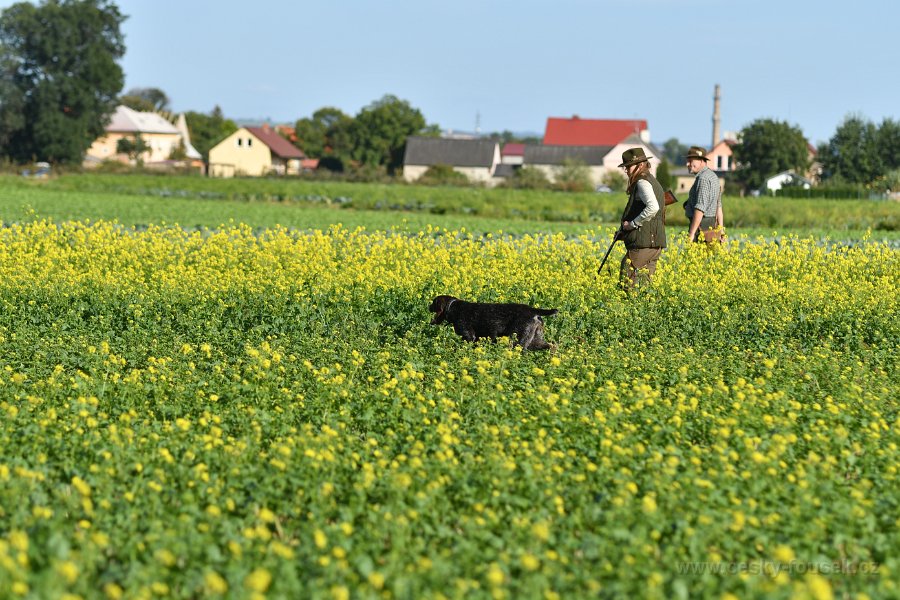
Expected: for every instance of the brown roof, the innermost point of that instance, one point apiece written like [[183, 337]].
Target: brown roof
[[513, 149], [277, 144]]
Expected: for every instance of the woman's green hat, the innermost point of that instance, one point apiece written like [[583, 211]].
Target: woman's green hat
[[633, 156]]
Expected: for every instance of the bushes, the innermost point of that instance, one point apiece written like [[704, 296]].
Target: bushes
[[442, 175]]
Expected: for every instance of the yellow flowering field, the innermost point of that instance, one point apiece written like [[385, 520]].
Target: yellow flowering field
[[265, 413]]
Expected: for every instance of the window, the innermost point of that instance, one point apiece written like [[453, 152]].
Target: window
[[718, 163], [239, 142], [249, 142]]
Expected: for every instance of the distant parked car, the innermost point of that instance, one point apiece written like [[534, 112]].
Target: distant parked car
[[41, 171], [603, 189]]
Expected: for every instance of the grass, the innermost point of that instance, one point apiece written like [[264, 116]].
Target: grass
[[195, 202]]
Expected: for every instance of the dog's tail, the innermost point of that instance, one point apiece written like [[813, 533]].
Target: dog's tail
[[545, 312]]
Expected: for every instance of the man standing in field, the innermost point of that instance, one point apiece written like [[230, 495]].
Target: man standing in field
[[702, 208], [643, 230]]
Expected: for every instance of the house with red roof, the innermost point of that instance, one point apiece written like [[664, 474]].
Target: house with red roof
[[512, 154], [254, 151], [593, 132]]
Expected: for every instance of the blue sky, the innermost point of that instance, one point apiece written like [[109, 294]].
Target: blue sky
[[510, 64]]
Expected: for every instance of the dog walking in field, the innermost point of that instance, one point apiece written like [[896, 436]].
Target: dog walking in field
[[476, 320]]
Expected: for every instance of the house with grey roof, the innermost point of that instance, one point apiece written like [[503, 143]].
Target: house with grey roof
[[161, 138], [551, 160], [599, 160], [477, 159]]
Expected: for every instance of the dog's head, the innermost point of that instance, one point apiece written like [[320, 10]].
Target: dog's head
[[439, 307]]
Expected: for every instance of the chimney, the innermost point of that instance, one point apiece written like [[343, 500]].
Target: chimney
[[716, 137]]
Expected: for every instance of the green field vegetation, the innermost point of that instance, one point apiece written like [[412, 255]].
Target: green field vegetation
[[201, 202], [262, 411]]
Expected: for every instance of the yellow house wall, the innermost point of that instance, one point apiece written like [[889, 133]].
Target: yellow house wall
[[161, 146], [227, 158]]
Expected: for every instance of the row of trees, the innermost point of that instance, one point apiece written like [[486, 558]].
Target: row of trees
[[375, 137], [859, 153], [863, 153]]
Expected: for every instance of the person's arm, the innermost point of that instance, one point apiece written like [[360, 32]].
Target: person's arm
[[720, 216]]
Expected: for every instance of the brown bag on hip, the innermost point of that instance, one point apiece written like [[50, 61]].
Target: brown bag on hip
[[717, 233]]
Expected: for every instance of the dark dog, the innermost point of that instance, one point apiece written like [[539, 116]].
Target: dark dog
[[475, 320]]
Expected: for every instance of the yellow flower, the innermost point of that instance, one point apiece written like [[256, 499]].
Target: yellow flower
[[214, 583], [541, 530], [376, 580], [68, 571], [530, 562], [495, 575], [166, 557], [266, 515], [258, 581], [81, 485], [819, 587], [340, 592], [783, 554], [320, 539]]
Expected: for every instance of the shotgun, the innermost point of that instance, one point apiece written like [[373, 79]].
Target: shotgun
[[615, 239]]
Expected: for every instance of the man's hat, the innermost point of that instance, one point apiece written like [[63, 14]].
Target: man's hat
[[633, 156], [696, 152]]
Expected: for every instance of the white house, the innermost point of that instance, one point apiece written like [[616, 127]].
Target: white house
[[786, 178], [475, 158]]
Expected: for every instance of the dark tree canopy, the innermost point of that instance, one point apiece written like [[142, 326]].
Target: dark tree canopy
[[861, 152], [380, 130], [769, 147], [674, 151], [148, 99], [59, 68], [327, 134], [852, 152], [208, 130]]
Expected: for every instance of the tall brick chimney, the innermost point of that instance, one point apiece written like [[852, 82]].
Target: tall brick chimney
[[716, 137]]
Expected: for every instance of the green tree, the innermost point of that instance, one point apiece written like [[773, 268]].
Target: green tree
[[12, 100], [326, 135], [146, 100], [380, 130], [208, 130], [664, 175], [508, 137], [616, 180], [574, 176], [443, 175], [889, 144], [674, 151], [852, 153], [134, 147], [528, 178], [768, 147], [61, 73]]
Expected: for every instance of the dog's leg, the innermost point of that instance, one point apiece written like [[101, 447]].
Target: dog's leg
[[466, 334], [528, 333]]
